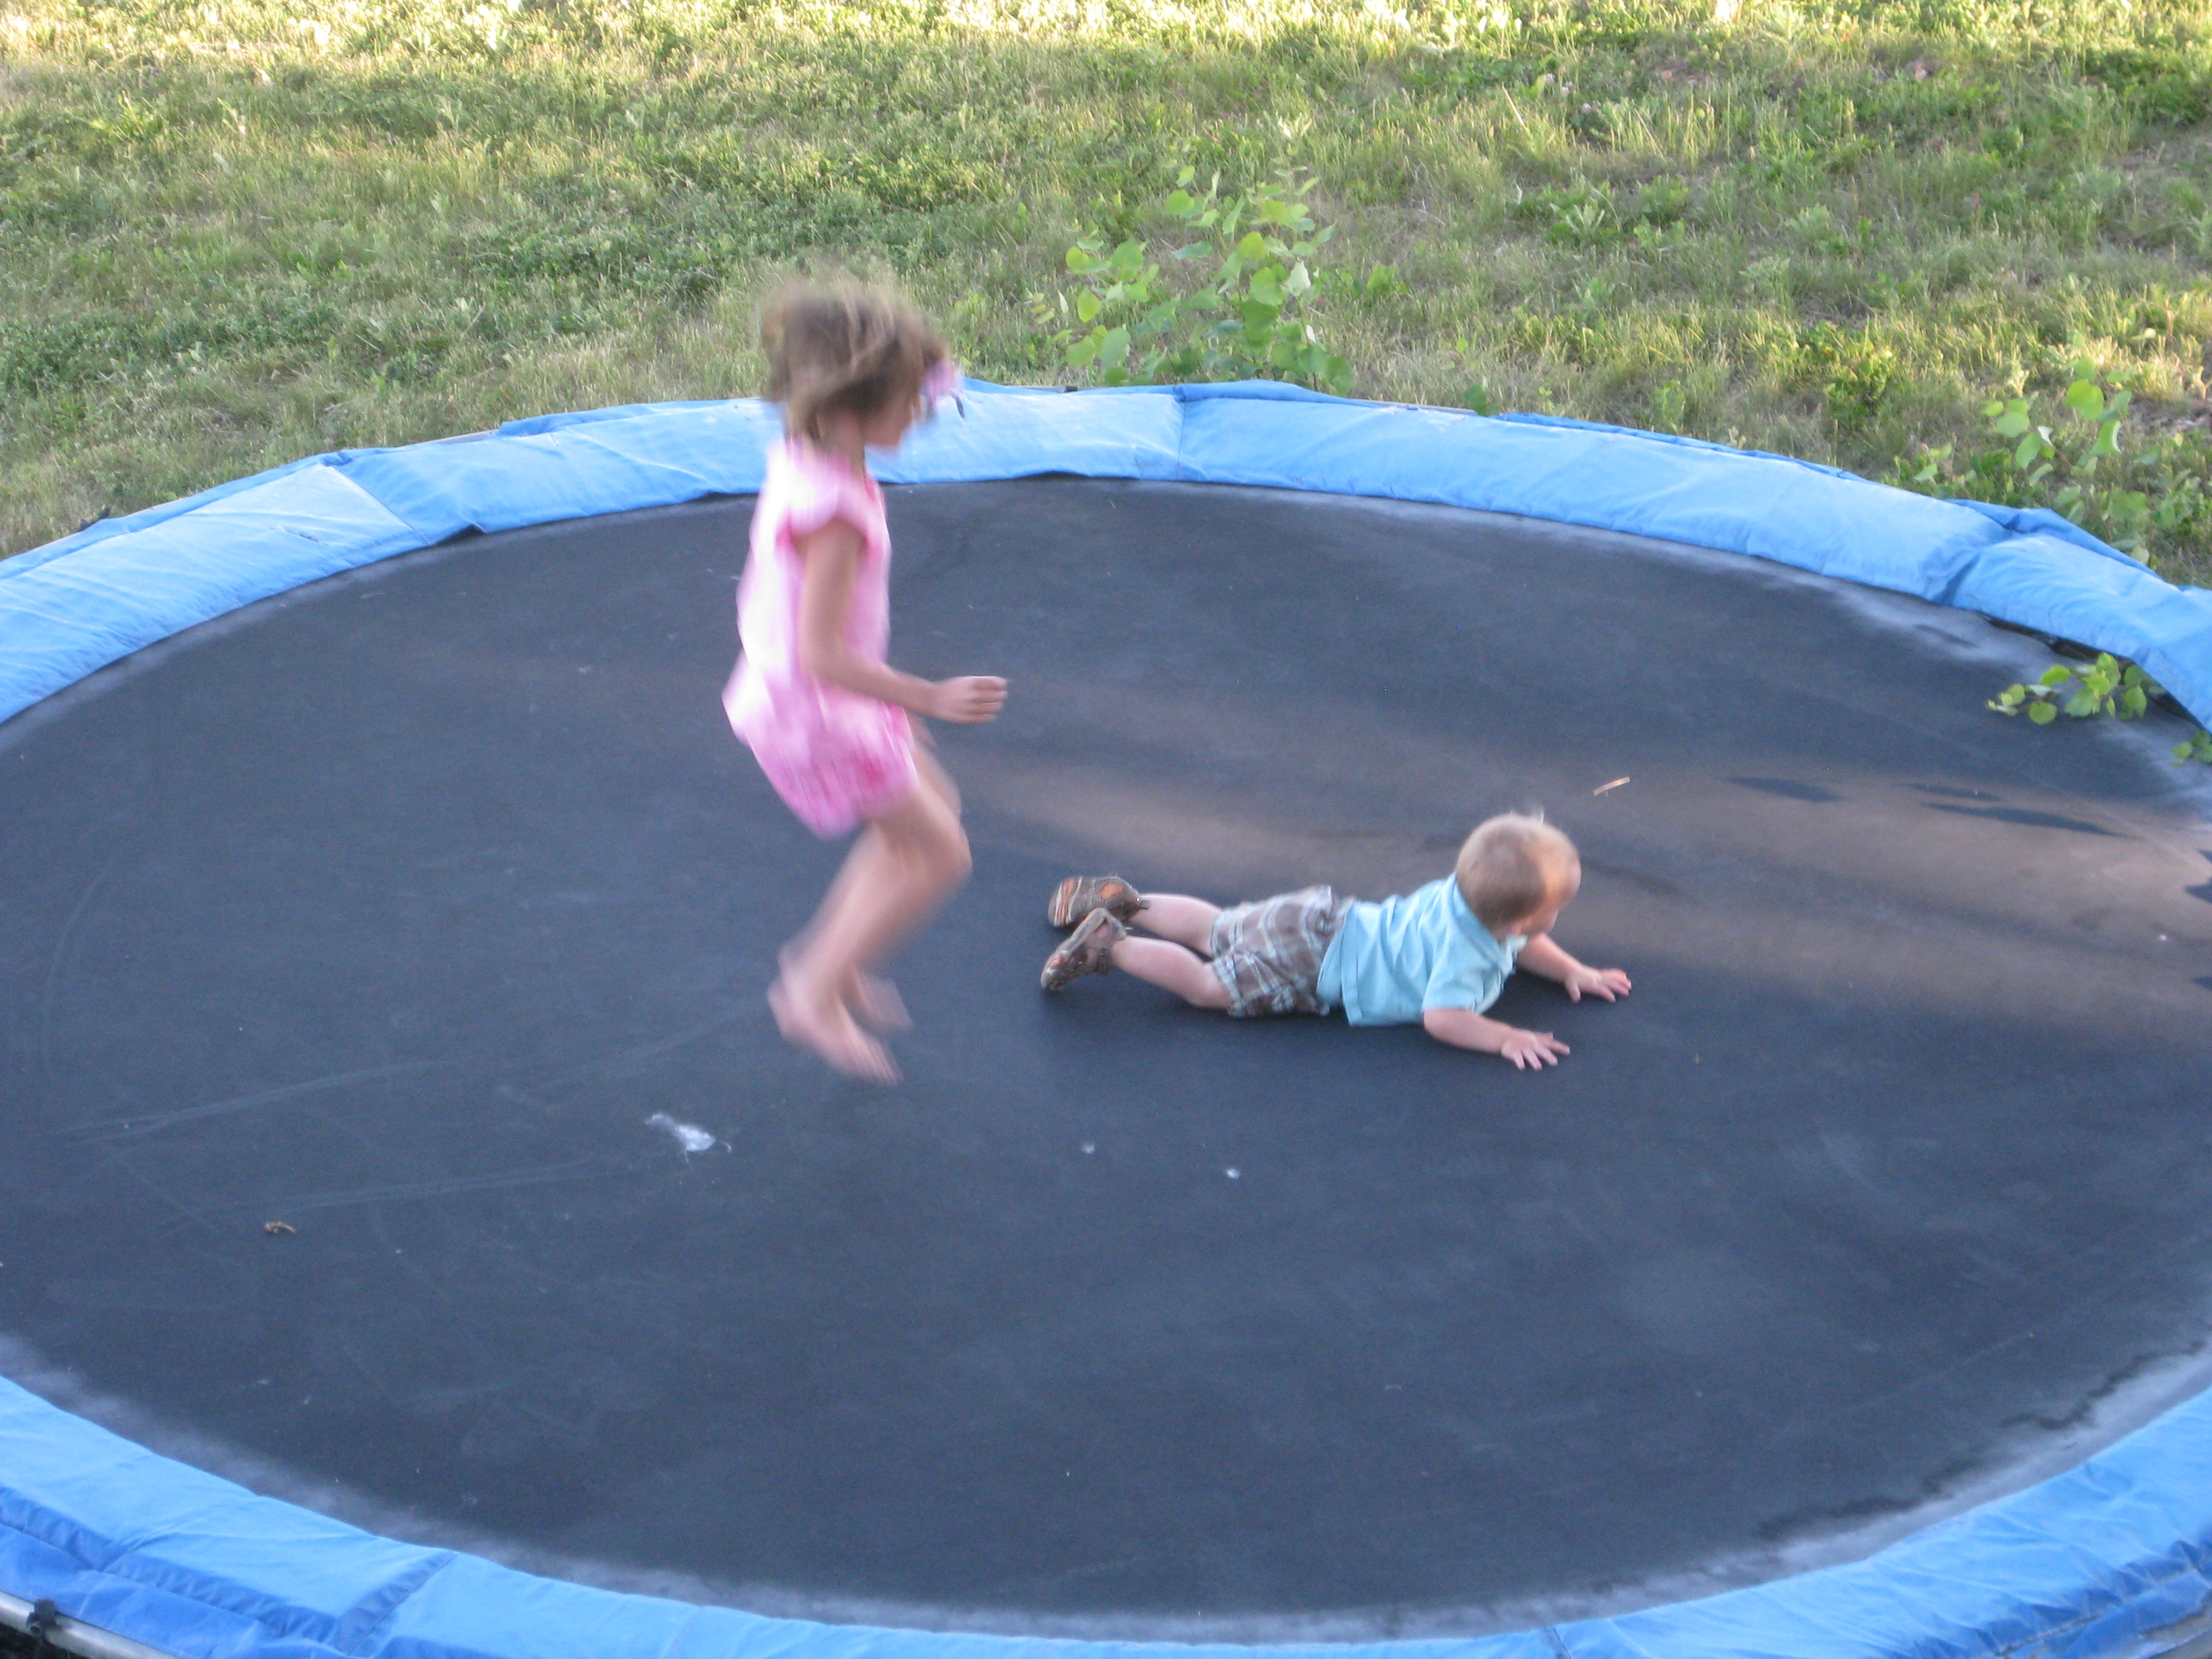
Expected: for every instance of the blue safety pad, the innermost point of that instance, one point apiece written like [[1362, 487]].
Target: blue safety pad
[[88, 600], [2002, 561], [503, 481], [102, 530], [570, 466], [2092, 1563], [61, 618], [1003, 436]]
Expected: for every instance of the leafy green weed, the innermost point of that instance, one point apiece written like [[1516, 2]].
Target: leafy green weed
[[1251, 317]]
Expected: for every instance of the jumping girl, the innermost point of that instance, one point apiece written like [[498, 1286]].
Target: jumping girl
[[832, 725]]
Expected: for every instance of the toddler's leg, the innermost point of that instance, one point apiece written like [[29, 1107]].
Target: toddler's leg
[[1172, 967], [1100, 941], [1187, 921]]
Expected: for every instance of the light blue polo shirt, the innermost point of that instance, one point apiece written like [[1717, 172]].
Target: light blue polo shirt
[[1420, 950]]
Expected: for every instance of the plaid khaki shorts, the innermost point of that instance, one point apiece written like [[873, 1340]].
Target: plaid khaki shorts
[[1267, 954]]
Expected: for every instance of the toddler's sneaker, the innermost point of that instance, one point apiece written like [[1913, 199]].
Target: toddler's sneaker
[[1079, 896], [1088, 950]]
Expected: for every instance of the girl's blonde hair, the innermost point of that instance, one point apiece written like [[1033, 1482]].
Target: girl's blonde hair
[[1512, 866], [844, 351]]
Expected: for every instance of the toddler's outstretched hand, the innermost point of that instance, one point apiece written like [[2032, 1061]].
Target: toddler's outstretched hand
[[1607, 982], [1532, 1050], [968, 701]]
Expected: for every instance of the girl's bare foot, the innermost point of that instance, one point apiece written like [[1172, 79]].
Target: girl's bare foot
[[878, 1002], [875, 999], [825, 1026]]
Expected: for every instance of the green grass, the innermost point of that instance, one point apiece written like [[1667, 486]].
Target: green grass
[[235, 232]]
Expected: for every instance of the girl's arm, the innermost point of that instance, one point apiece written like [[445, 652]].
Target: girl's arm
[[1543, 957], [1463, 1028], [831, 556]]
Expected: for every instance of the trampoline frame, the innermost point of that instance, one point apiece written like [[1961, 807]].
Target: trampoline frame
[[2114, 1557]]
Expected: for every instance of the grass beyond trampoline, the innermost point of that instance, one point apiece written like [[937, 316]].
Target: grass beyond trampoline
[[236, 232]]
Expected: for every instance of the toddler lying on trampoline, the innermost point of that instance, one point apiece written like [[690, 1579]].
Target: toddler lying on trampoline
[[1438, 955]]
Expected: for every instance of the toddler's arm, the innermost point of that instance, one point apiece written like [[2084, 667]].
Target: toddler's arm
[[1463, 1028], [1543, 957], [832, 555]]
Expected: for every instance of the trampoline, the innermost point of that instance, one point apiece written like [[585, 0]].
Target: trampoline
[[420, 1244]]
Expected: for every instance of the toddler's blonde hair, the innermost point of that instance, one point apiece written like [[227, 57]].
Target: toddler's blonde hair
[[844, 349], [1512, 866]]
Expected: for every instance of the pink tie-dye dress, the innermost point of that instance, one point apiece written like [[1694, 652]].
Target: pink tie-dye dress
[[837, 757]]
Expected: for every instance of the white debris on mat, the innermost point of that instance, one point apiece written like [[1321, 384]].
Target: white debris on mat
[[690, 1136]]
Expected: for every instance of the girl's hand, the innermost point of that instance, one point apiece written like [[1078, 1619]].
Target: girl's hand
[[1532, 1050], [968, 701], [1607, 982]]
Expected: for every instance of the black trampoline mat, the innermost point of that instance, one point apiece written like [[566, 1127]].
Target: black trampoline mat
[[396, 909]]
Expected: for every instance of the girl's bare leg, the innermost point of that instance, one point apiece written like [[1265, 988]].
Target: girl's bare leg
[[875, 1000], [873, 997], [1187, 921], [1172, 967], [917, 856], [934, 778], [929, 853], [817, 1013]]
